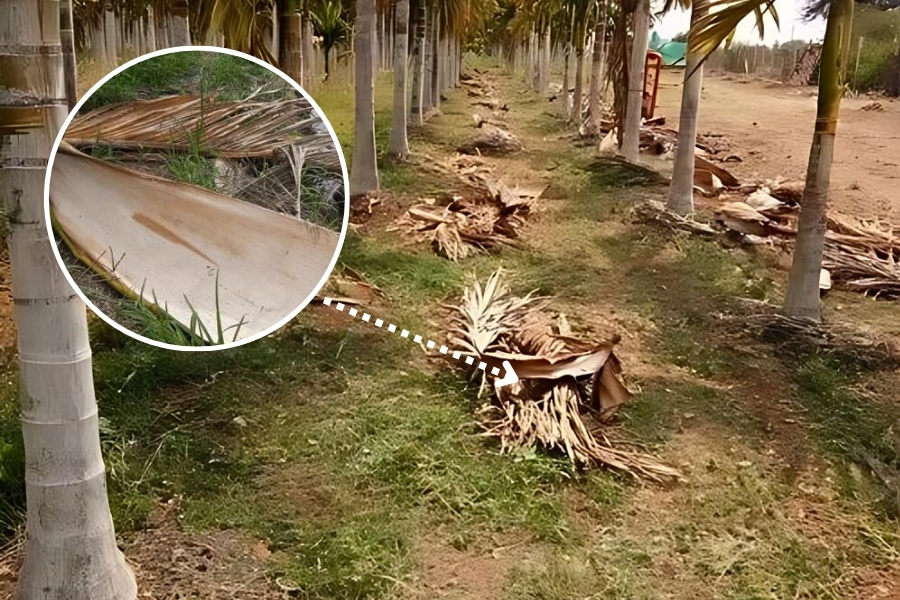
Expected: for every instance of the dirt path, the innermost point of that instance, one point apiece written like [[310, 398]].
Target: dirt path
[[771, 128]]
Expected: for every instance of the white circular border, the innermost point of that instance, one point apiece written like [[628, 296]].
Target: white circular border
[[290, 315]]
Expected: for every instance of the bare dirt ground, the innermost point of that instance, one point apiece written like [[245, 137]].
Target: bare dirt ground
[[770, 126]]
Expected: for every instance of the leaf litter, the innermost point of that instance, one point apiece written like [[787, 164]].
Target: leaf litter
[[568, 390]]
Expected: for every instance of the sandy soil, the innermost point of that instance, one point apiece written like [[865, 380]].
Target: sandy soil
[[770, 126]]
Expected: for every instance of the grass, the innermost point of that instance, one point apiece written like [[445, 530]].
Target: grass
[[197, 72]]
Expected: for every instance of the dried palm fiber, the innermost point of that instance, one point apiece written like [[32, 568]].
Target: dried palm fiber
[[860, 255], [192, 252], [485, 215], [567, 387], [241, 129]]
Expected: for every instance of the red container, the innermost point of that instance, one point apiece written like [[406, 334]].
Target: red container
[[652, 68]]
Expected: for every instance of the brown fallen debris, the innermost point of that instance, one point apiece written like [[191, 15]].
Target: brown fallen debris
[[872, 105], [859, 255], [491, 140], [456, 226], [246, 128], [567, 389]]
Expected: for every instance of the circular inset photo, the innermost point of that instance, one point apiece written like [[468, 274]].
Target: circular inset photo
[[197, 198]]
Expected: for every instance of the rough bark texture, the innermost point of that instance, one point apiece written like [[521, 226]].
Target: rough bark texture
[[632, 130], [418, 62], [598, 73], [67, 39], [802, 295], [364, 175], [681, 190], [398, 145], [564, 92], [70, 547], [290, 54]]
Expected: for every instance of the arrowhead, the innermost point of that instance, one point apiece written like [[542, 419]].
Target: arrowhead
[[509, 377]]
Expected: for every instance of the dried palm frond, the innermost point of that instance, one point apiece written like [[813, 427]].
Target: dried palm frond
[[567, 387], [247, 128], [486, 218]]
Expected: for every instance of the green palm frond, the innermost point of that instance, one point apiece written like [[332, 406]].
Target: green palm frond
[[328, 20], [721, 23]]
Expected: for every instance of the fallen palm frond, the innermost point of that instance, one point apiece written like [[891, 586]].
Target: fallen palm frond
[[246, 128], [208, 260], [567, 387], [486, 215], [859, 255]]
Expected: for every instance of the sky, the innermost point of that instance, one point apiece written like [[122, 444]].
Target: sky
[[792, 25]]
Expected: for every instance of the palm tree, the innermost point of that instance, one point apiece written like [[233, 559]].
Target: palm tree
[[67, 39], [330, 25], [364, 174], [681, 190], [802, 294], [598, 64], [70, 548], [290, 50], [398, 144], [632, 128]]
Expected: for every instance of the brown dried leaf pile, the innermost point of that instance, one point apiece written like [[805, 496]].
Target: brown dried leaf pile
[[484, 216], [246, 128], [567, 387]]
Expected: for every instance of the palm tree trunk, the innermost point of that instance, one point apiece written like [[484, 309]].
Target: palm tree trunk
[[544, 67], [418, 61], [802, 295], [67, 39], [180, 31], [681, 190], [364, 175], [290, 54], [579, 82], [436, 62], [632, 130], [564, 92], [598, 72], [427, 96], [309, 58], [398, 145], [149, 32], [70, 547], [109, 34]]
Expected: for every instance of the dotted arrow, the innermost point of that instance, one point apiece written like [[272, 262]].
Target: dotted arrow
[[508, 377]]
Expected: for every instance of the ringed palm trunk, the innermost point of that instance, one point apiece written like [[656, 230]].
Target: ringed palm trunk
[[290, 52], [579, 80], [70, 547], [681, 190], [398, 145], [364, 175], [632, 129], [67, 39], [802, 295], [418, 61], [598, 67]]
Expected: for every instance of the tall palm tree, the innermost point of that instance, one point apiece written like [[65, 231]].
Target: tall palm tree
[[364, 173], [598, 66], [681, 189], [70, 548], [802, 294], [632, 128], [398, 145]]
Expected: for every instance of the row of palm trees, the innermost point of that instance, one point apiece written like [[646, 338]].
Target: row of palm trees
[[619, 30], [70, 550]]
